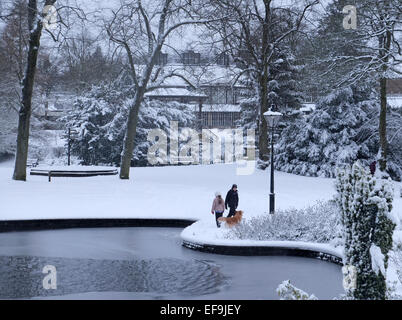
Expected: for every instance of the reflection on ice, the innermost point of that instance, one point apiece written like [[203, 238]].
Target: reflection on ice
[[21, 277]]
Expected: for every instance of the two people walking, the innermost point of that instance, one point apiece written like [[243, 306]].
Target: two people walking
[[219, 206]]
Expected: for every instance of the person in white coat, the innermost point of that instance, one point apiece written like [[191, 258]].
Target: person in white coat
[[218, 207]]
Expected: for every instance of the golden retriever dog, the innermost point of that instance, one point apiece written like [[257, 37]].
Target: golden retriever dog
[[232, 221]]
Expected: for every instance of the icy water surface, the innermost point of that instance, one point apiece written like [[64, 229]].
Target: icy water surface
[[147, 263]]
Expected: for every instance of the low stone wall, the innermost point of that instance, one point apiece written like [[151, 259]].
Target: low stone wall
[[46, 224], [262, 251]]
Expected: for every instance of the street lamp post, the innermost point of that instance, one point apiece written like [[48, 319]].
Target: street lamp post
[[70, 135], [272, 117], [69, 147]]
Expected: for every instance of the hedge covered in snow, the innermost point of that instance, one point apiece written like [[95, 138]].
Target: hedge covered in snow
[[316, 223]]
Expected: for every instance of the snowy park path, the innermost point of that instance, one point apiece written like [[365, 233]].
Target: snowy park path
[[184, 192]]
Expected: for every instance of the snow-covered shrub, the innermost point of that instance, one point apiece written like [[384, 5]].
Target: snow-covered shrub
[[287, 291], [317, 223], [395, 259], [365, 202]]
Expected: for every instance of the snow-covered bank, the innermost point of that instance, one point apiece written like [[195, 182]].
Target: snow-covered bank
[[204, 232], [182, 192]]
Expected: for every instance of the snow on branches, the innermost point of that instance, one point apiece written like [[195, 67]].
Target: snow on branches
[[287, 291], [366, 203]]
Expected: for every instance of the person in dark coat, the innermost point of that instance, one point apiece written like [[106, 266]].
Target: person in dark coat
[[373, 167], [232, 200]]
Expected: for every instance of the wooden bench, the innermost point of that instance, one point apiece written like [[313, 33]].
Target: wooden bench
[[72, 173], [32, 163]]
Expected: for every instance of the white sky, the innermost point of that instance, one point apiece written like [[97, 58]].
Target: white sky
[[96, 9]]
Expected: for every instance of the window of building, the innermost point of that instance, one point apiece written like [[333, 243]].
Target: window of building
[[218, 95], [191, 57], [162, 58], [223, 59]]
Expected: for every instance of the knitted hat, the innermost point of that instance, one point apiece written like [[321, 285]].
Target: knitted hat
[[217, 193]]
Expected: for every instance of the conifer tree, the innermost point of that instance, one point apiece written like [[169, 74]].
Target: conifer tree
[[366, 203]]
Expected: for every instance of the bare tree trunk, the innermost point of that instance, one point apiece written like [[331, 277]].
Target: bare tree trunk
[[263, 128], [385, 44], [131, 131], [35, 27], [263, 83], [382, 129], [129, 139]]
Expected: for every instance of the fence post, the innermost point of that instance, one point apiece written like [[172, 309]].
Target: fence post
[[50, 175]]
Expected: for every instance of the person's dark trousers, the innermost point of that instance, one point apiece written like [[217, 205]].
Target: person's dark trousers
[[232, 212], [217, 216]]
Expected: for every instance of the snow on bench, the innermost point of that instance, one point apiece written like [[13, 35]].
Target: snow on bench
[[32, 163], [72, 173]]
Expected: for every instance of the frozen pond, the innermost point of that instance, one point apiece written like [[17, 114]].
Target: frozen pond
[[147, 263]]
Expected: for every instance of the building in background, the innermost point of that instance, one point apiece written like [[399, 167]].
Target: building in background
[[208, 84], [211, 87]]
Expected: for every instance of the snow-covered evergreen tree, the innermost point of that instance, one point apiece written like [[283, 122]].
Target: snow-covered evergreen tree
[[366, 203], [101, 117], [341, 130], [283, 92], [332, 135], [156, 114], [394, 161], [249, 113], [92, 116], [324, 48]]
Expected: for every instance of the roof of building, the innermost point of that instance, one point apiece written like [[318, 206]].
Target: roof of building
[[199, 75], [221, 108], [308, 106], [175, 93]]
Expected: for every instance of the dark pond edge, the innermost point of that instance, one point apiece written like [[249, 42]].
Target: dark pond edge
[[52, 224], [262, 251]]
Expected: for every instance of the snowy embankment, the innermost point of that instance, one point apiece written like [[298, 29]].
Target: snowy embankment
[[181, 192], [204, 232]]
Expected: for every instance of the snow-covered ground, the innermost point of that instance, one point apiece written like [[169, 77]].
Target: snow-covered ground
[[156, 192], [170, 192], [152, 192]]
